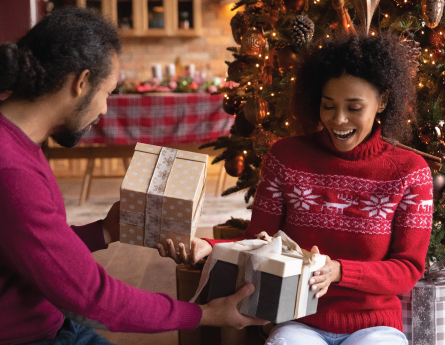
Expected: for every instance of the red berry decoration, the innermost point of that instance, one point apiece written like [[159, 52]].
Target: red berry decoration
[[235, 166]]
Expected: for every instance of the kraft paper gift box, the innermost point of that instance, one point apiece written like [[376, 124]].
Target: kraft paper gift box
[[280, 276], [226, 232], [162, 196], [423, 313]]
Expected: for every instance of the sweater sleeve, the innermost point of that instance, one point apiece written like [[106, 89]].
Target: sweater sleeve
[[269, 207], [92, 235], [38, 245], [411, 230]]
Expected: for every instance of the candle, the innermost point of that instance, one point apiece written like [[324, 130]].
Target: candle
[[191, 70], [170, 70], [157, 71]]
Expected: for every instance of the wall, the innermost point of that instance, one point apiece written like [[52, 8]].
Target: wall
[[140, 53]]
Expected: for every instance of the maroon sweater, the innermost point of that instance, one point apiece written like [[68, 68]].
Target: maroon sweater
[[369, 208], [46, 266]]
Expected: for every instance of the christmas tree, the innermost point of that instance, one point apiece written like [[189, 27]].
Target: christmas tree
[[270, 35]]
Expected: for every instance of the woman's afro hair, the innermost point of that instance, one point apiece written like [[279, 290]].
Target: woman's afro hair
[[382, 60]]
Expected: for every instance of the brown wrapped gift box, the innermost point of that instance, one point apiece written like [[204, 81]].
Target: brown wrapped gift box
[[162, 196]]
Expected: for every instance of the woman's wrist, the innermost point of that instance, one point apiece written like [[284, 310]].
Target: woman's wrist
[[338, 271]]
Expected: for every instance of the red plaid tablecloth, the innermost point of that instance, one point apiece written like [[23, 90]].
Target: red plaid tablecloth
[[160, 120]]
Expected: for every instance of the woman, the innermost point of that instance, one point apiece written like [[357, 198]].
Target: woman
[[364, 203]]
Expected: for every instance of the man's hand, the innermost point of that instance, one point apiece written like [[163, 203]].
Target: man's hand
[[110, 224], [223, 312], [330, 272], [199, 249]]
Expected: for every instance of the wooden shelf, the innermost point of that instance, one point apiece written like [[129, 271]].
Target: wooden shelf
[[140, 18]]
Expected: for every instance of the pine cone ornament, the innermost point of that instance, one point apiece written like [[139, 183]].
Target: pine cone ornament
[[302, 30]]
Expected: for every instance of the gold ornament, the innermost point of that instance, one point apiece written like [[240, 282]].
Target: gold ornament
[[263, 139], [365, 10], [255, 110], [235, 166], [253, 42], [432, 12]]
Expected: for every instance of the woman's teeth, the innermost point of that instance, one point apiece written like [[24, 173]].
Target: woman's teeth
[[344, 135]]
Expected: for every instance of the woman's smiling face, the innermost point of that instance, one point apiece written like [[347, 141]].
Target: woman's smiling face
[[348, 109]]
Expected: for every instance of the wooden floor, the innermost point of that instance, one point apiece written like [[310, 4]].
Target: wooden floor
[[138, 266]]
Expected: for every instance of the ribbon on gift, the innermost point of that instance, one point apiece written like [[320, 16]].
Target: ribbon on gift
[[154, 222], [249, 261], [436, 273]]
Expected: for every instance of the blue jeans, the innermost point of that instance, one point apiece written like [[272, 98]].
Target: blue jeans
[[74, 334], [295, 333]]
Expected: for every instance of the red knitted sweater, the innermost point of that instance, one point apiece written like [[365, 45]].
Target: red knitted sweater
[[369, 208]]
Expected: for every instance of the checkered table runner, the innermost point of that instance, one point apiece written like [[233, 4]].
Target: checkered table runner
[[161, 120]]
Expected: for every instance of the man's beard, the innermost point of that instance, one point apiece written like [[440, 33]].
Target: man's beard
[[68, 134]]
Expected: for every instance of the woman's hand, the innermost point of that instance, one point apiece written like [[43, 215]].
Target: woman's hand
[[330, 272], [199, 249]]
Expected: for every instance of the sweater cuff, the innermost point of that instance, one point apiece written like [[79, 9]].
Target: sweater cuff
[[92, 235], [351, 274], [213, 242], [189, 316]]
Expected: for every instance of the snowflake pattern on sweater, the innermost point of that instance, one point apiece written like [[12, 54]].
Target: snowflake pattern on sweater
[[370, 209], [344, 203]]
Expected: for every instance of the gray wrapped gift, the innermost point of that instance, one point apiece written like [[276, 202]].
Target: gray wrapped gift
[[278, 269], [423, 312]]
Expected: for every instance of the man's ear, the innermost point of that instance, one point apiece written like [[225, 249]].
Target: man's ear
[[383, 101], [80, 83]]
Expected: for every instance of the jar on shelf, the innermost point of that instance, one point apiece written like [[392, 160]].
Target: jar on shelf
[[184, 22]]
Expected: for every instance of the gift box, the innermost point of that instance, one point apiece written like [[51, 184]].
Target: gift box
[[423, 313], [162, 196], [226, 232], [187, 280], [278, 269]]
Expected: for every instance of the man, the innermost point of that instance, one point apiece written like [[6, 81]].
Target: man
[[55, 83]]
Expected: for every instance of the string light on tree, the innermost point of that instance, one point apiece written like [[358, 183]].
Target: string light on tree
[[405, 4]]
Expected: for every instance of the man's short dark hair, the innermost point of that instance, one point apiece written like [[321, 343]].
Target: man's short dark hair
[[67, 41]]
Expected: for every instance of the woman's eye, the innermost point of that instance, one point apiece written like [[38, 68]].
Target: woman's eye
[[355, 109], [328, 108]]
